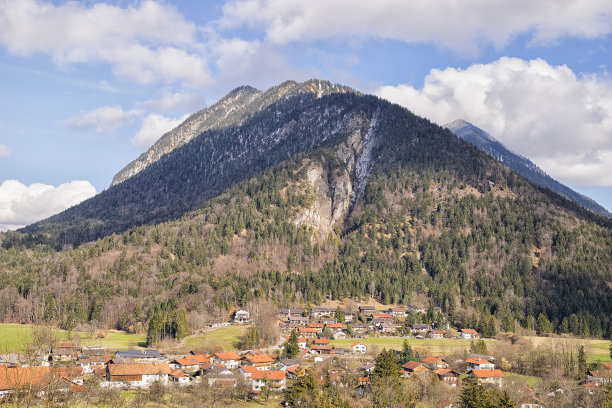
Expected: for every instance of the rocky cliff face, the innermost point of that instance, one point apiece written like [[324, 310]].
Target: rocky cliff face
[[232, 110]]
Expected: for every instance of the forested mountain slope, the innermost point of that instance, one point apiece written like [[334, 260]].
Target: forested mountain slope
[[317, 198], [520, 164]]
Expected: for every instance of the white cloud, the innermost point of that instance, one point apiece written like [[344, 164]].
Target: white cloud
[[176, 101], [145, 43], [560, 120], [4, 151], [462, 25], [153, 127], [106, 119], [21, 205]]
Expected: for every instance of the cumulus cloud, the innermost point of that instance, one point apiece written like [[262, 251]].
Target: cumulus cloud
[[458, 24], [560, 120], [153, 127], [21, 205], [177, 101], [146, 43], [106, 119], [4, 151]]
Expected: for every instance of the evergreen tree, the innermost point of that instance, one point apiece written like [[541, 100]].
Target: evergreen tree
[[292, 347], [387, 364], [582, 363], [407, 353]]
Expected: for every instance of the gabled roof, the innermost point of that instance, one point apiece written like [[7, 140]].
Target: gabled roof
[[259, 358], [469, 331], [381, 315], [139, 354], [178, 374], [321, 341], [249, 369], [25, 377], [356, 344], [334, 325], [411, 365], [431, 359], [476, 360], [607, 365], [307, 330], [488, 373], [321, 348], [139, 369], [273, 375], [228, 355]]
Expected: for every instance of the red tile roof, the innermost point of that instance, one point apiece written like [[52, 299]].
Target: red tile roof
[[321, 341], [476, 360], [470, 331], [411, 365], [229, 355], [488, 373], [139, 369], [431, 359], [381, 315], [270, 375], [259, 358]]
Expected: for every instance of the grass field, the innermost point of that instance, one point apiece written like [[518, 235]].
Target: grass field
[[596, 350], [13, 337], [525, 379], [218, 339], [442, 347]]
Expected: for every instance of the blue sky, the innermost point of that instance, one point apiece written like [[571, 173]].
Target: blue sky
[[88, 86]]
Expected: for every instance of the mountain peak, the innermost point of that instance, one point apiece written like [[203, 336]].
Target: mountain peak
[[231, 110]]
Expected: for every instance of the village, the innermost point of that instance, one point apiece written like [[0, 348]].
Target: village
[[69, 368]]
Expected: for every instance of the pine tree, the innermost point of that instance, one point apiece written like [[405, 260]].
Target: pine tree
[[292, 347], [387, 364], [582, 364], [407, 353]]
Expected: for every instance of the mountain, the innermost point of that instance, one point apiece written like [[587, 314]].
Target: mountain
[[317, 197], [232, 110], [520, 164]]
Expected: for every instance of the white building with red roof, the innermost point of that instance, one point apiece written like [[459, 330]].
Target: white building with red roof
[[359, 348]]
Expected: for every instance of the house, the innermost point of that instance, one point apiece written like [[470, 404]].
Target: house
[[260, 361], [414, 368], [321, 342], [468, 334], [296, 371], [335, 327], [37, 379], [435, 362], [599, 377], [226, 380], [139, 375], [368, 368], [309, 332], [339, 335], [303, 342], [359, 348], [490, 376], [276, 380], [317, 312], [179, 377], [230, 359], [396, 311], [211, 369], [360, 328], [64, 354], [447, 376], [329, 320], [317, 326], [437, 309], [285, 363], [141, 356], [91, 363], [242, 317], [387, 327], [366, 310], [187, 364], [382, 316], [348, 316], [436, 334], [477, 363], [322, 349], [419, 329], [416, 309], [288, 313], [299, 320]]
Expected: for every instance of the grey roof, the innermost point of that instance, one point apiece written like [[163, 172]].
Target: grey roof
[[139, 354]]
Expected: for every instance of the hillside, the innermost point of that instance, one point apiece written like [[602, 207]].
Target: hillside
[[520, 164], [313, 198]]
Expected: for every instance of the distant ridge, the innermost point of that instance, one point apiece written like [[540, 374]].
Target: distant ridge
[[520, 164]]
